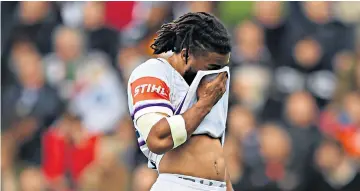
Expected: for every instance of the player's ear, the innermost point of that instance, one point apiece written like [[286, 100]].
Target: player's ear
[[183, 55]]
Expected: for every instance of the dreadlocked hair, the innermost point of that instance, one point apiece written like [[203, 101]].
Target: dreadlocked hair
[[196, 32]]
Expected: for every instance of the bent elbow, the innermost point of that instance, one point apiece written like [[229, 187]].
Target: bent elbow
[[158, 146], [157, 150]]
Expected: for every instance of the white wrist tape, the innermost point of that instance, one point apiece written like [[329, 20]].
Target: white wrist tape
[[178, 130]]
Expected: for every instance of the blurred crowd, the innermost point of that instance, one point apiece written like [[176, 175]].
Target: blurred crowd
[[294, 117]]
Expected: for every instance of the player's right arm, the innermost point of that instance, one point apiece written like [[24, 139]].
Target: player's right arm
[[161, 137], [163, 131]]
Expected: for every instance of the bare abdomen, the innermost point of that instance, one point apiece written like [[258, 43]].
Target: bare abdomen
[[201, 156]]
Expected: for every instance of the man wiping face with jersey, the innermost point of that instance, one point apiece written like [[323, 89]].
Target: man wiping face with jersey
[[179, 114]]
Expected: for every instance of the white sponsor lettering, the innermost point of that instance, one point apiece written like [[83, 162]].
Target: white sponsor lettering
[[157, 89], [143, 88], [149, 88]]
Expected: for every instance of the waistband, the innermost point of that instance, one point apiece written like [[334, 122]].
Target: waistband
[[207, 182]]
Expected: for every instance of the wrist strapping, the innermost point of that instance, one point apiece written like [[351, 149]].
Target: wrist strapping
[[178, 130]]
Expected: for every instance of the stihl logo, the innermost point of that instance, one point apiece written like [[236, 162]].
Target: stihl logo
[[149, 88]]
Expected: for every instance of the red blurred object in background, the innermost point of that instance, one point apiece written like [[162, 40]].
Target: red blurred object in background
[[347, 134], [54, 147], [328, 123], [59, 156], [350, 139], [82, 155], [119, 14]]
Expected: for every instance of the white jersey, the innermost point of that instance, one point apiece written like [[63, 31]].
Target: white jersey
[[155, 86]]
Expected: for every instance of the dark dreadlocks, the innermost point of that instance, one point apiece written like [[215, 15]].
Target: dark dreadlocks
[[197, 32]]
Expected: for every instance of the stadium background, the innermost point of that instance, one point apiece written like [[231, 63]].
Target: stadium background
[[294, 120]]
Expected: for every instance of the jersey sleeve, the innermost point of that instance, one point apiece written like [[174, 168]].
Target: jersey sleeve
[[149, 89]]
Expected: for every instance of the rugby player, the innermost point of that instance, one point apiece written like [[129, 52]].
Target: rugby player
[[184, 159]]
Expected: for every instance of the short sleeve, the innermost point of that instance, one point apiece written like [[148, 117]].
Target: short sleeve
[[149, 90]]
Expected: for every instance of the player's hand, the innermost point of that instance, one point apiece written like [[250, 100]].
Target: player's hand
[[210, 92]]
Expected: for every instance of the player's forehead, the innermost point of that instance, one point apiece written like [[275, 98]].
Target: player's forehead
[[216, 58]]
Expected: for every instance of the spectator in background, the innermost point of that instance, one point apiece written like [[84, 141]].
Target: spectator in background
[[357, 64], [86, 79], [251, 55], [248, 89], [98, 95], [71, 12], [351, 108], [106, 172], [305, 72], [143, 178], [61, 65], [308, 53], [31, 180], [7, 15], [89, 159], [301, 111], [271, 172], [180, 8], [348, 12], [128, 59], [305, 43], [270, 15], [56, 143], [203, 6], [319, 16], [140, 31], [32, 19], [99, 36], [233, 156], [357, 75], [316, 20], [250, 48], [37, 20], [300, 119], [241, 122], [128, 145], [343, 118], [242, 144], [345, 68], [242, 128], [348, 131], [335, 171], [28, 106]]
